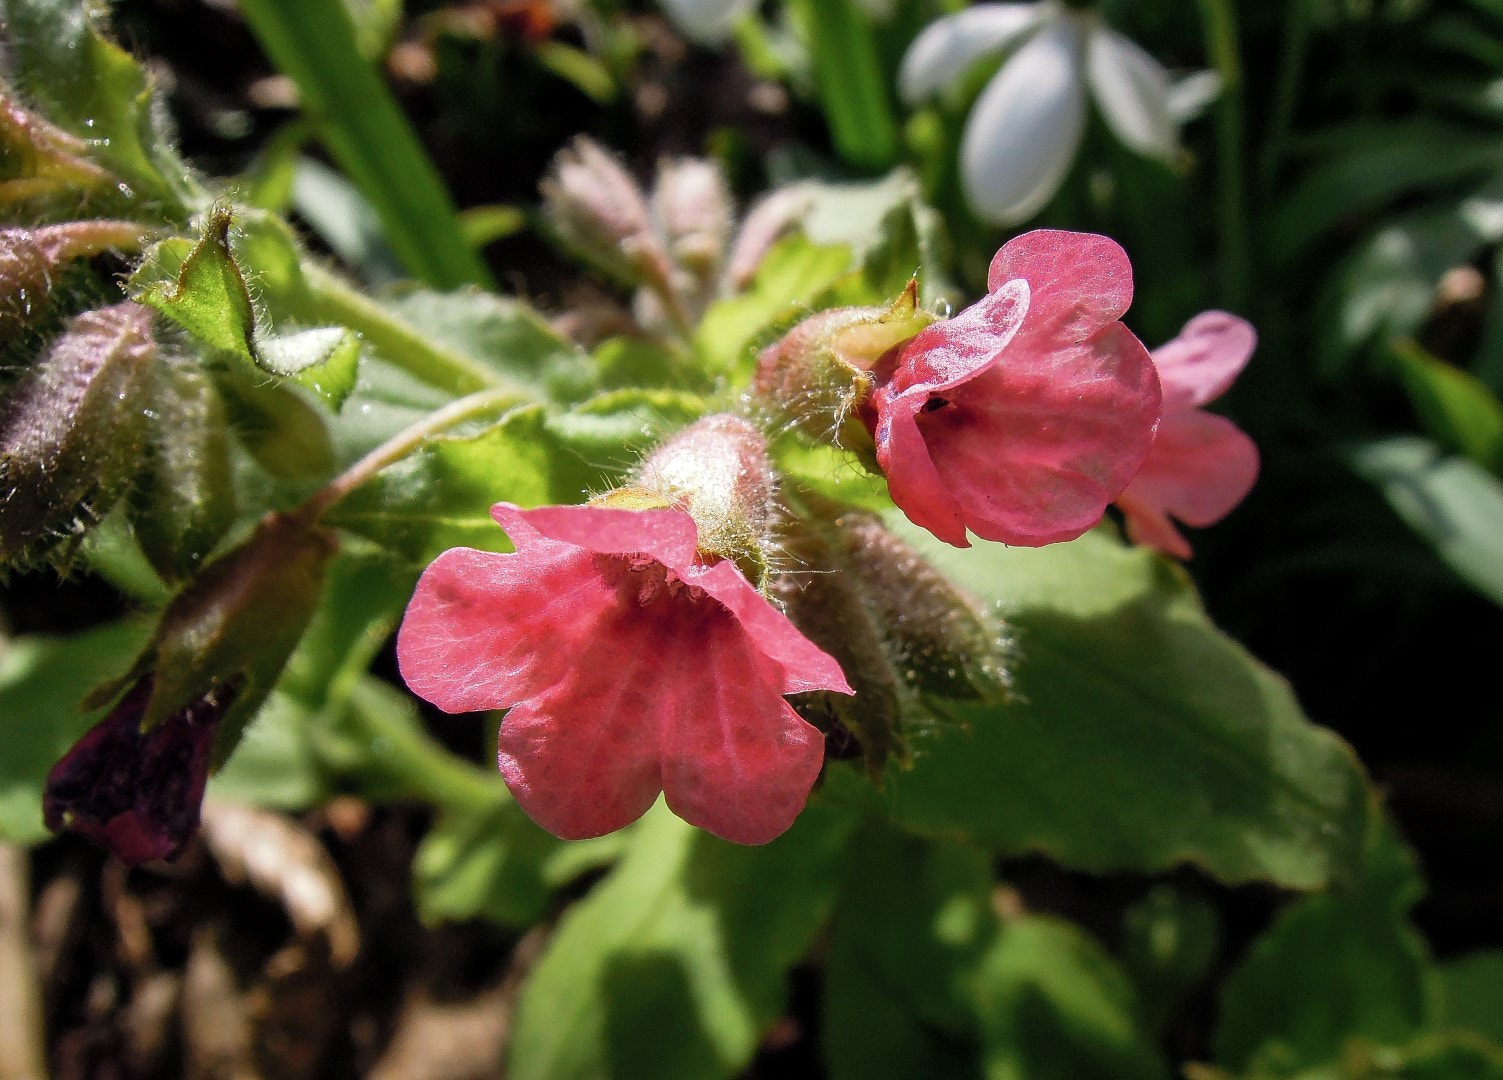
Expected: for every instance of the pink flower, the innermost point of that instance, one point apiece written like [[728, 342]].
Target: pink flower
[[1201, 465], [631, 667], [1021, 418]]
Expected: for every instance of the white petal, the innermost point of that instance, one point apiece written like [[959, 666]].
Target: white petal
[[1025, 127], [1193, 94], [708, 22], [945, 50], [1132, 89]]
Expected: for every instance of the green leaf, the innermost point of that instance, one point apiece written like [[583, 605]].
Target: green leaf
[[674, 965], [502, 334], [498, 865], [1471, 987], [1137, 736], [199, 287], [1458, 411], [1450, 501], [440, 497], [325, 360], [42, 680], [909, 927], [1334, 968], [275, 763], [1054, 1006], [794, 273], [93, 88], [853, 89]]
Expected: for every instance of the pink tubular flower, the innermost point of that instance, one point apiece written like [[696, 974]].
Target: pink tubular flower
[[1201, 465], [1021, 418], [631, 667]]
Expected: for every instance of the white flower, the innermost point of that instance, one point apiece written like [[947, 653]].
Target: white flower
[[1026, 125], [706, 22]]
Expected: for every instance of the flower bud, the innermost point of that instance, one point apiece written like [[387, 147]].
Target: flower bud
[[38, 159], [716, 470], [827, 365], [693, 207], [893, 621], [135, 782], [765, 223], [73, 428], [596, 208], [828, 604], [30, 259]]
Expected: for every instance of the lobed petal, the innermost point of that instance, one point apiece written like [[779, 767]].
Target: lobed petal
[[1025, 127], [913, 481], [470, 637], [949, 352], [1132, 89], [1203, 361], [1201, 466], [798, 663], [1035, 448], [736, 760], [669, 536], [1077, 283], [945, 50]]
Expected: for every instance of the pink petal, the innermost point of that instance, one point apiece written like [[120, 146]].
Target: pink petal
[[1206, 357], [946, 353], [914, 482], [1035, 448], [469, 639], [583, 762], [669, 536], [1201, 466], [798, 663], [737, 760], [1078, 282]]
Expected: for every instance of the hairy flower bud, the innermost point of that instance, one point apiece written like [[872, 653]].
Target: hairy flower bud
[[764, 224], [716, 470], [135, 782], [694, 211], [73, 428], [30, 260], [893, 621], [822, 369], [596, 208], [39, 159]]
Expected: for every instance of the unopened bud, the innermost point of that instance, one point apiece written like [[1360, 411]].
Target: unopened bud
[[828, 604], [765, 223], [596, 208], [39, 159], [944, 642], [30, 260], [135, 782], [823, 368], [694, 211], [73, 428], [716, 470]]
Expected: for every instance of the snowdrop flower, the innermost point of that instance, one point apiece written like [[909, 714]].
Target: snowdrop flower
[[1026, 125], [706, 22]]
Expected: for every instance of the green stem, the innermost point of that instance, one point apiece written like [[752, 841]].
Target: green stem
[[403, 443], [328, 298], [1285, 95], [313, 42], [1220, 24], [421, 764]]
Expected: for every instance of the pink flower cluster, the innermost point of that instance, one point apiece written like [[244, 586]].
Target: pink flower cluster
[[635, 662]]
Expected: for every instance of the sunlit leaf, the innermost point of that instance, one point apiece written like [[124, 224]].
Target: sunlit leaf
[[1137, 735], [674, 965]]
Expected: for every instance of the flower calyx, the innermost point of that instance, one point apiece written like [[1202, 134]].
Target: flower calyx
[[820, 372]]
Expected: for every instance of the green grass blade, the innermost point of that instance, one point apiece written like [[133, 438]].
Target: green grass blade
[[313, 42]]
